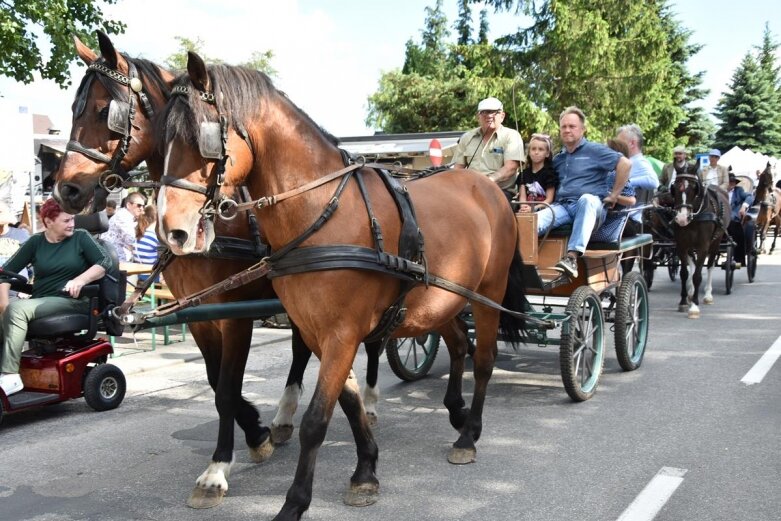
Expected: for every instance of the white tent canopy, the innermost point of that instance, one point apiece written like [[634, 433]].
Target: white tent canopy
[[747, 162]]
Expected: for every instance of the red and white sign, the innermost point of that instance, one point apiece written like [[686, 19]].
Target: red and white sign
[[435, 152]]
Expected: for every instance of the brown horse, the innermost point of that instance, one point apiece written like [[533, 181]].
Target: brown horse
[[96, 149], [768, 198], [701, 217], [270, 145]]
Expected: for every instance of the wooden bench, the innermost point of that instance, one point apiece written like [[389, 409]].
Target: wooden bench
[[597, 268]]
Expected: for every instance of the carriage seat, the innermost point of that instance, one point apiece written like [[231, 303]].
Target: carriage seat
[[104, 295]]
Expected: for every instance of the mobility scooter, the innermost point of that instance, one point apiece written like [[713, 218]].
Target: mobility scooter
[[64, 360]]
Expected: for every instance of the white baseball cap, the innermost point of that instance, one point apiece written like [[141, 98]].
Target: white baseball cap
[[489, 104]]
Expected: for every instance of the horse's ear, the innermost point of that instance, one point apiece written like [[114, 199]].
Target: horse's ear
[[86, 54], [196, 69], [113, 59]]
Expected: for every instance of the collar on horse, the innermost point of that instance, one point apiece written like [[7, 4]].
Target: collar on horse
[[121, 117]]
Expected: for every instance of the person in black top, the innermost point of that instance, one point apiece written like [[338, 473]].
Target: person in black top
[[538, 181]]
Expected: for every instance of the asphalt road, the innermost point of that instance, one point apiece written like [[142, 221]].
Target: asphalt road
[[684, 428]]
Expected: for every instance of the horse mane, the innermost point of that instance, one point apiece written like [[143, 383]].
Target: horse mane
[[147, 71], [240, 94]]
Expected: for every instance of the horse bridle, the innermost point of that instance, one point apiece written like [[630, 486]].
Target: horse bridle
[[699, 192], [212, 145], [120, 120]]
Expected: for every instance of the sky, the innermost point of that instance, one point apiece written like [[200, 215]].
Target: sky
[[330, 54]]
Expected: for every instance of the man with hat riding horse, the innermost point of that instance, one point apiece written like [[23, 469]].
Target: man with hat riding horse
[[491, 149], [741, 226]]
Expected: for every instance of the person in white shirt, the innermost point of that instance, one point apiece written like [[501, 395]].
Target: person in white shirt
[[714, 173], [121, 232]]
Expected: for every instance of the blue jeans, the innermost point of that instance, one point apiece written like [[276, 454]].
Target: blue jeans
[[585, 214]]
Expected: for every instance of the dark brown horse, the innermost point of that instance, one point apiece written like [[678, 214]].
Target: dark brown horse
[[701, 217], [96, 149], [768, 198], [274, 148]]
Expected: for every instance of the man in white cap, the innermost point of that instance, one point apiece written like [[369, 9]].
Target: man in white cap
[[714, 173], [491, 149], [668, 172]]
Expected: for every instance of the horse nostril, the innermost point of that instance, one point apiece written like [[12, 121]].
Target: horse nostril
[[69, 191], [178, 237]]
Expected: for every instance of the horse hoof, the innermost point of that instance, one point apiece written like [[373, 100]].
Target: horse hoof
[[362, 495], [205, 497], [707, 300], [281, 434], [694, 314], [462, 456], [683, 307], [262, 453], [371, 419]]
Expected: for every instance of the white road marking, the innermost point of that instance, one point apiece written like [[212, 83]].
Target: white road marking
[[654, 496], [763, 365]]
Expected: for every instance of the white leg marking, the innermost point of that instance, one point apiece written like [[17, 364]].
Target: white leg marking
[[216, 475], [690, 278], [654, 496], [763, 365], [287, 406], [371, 395], [708, 299]]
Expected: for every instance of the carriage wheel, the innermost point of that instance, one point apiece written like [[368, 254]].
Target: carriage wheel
[[729, 273], [582, 350], [411, 358], [648, 271], [631, 321], [672, 267]]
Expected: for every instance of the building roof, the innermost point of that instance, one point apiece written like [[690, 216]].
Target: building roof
[[41, 124], [398, 145]]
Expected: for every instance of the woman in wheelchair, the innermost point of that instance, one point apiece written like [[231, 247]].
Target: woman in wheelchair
[[64, 260]]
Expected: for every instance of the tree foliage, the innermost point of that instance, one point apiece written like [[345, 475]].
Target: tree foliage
[[610, 58], [22, 22], [259, 61], [621, 62], [441, 83], [749, 110]]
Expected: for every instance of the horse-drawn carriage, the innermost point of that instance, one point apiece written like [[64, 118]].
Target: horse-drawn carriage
[[232, 142], [658, 220]]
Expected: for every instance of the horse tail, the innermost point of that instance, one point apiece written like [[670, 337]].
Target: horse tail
[[512, 328]]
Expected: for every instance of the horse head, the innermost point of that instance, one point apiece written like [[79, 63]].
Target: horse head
[[688, 194], [207, 151], [112, 129]]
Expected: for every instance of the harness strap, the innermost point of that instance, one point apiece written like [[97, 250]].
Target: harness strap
[[75, 146], [338, 256]]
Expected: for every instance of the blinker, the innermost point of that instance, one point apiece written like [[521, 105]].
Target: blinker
[[210, 140], [118, 117]]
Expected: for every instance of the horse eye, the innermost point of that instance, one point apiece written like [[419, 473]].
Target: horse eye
[[103, 114]]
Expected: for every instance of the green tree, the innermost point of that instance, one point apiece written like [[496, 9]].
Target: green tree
[[745, 110], [772, 83], [431, 57], [441, 84], [609, 58], [695, 128], [464, 23], [260, 61], [22, 22]]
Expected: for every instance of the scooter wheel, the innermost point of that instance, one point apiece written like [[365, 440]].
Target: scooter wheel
[[104, 387]]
